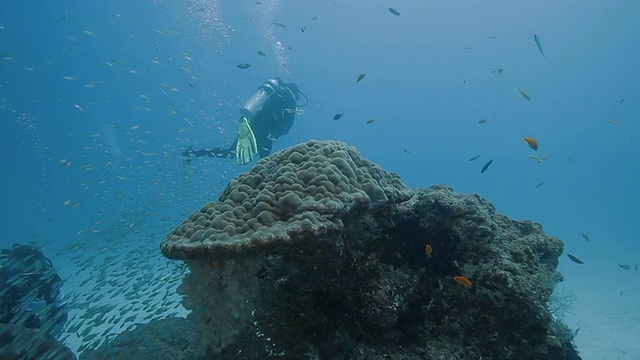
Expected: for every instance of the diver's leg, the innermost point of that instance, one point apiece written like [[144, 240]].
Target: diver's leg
[[264, 147]]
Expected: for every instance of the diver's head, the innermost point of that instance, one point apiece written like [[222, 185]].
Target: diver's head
[[29, 256], [293, 87]]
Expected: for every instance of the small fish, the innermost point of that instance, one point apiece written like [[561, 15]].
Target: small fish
[[337, 117], [538, 44], [539, 184], [538, 159], [586, 237], [624, 266], [462, 281], [482, 121], [621, 292], [612, 122], [66, 202], [280, 25], [428, 250], [533, 143], [360, 77], [303, 28], [636, 267], [261, 53], [486, 166], [406, 151], [575, 259], [315, 18], [621, 101], [524, 94], [475, 157], [576, 332], [371, 121], [394, 11], [497, 71], [244, 66]]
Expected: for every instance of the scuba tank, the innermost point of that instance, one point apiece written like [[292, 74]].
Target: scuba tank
[[254, 105]]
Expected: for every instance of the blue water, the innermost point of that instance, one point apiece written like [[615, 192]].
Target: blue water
[[97, 99]]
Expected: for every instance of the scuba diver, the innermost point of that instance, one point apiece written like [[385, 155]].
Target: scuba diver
[[31, 291], [267, 115]]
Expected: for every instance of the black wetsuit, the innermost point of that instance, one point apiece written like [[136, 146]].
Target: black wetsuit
[[274, 120], [26, 277]]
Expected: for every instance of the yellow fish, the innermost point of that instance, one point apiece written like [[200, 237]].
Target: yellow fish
[[533, 143], [612, 122]]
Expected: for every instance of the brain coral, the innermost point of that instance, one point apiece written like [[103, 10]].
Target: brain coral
[[292, 195]]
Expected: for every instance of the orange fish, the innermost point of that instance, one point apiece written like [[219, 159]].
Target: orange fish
[[531, 142], [462, 281], [428, 250]]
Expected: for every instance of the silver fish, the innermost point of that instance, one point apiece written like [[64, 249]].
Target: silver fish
[[538, 44]]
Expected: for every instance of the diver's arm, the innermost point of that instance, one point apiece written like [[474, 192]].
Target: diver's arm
[[55, 315]]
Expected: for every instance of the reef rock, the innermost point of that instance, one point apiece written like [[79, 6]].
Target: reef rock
[[316, 253], [164, 339], [20, 343]]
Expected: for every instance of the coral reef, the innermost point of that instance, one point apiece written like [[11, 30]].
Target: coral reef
[[317, 253], [291, 195]]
